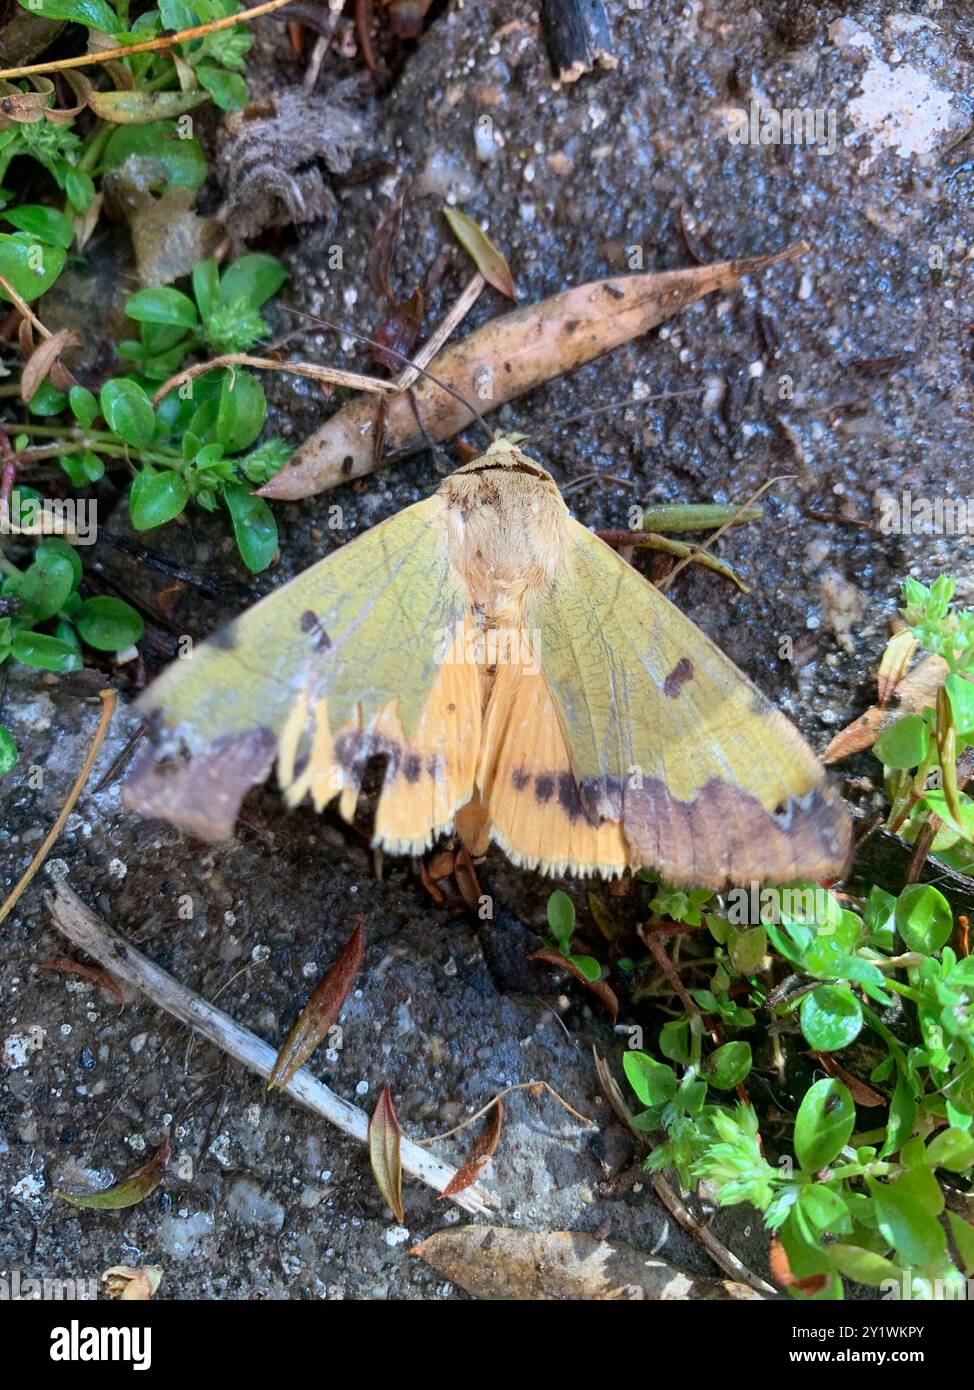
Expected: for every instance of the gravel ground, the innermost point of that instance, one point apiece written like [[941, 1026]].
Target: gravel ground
[[851, 371]]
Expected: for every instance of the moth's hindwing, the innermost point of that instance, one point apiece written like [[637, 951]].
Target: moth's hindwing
[[644, 745], [344, 662]]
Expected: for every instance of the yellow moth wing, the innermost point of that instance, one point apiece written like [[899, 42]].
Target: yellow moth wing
[[334, 666], [667, 737]]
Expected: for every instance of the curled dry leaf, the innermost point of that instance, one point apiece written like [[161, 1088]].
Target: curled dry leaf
[[87, 972], [136, 108], [379, 261], [466, 879], [131, 1285], [385, 1138], [599, 987], [782, 1275], [499, 362], [500, 1263], [489, 261], [915, 693], [321, 1010], [862, 1093], [44, 361], [131, 1190], [484, 1149], [397, 335], [900, 651], [603, 918]]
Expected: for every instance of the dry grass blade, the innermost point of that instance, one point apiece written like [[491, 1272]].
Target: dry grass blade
[[108, 699], [330, 376]]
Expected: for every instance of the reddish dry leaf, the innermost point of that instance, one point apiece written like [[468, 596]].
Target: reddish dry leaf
[[434, 890], [88, 972], [379, 262], [915, 693], [321, 1010], [484, 1149], [482, 251], [466, 877], [599, 987], [782, 1275], [131, 1190], [397, 336], [861, 1093], [385, 1137]]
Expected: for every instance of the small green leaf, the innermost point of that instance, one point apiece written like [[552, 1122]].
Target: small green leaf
[[253, 525], [923, 918], [864, 1266], [46, 584], [128, 411], [748, 950], [253, 279], [80, 188], [961, 695], [728, 1066], [653, 1082], [963, 1234], [561, 919], [182, 159], [108, 624], [952, 1149], [674, 1041], [44, 224], [587, 966], [84, 407], [29, 265], [8, 750], [156, 498], [905, 743], [94, 14], [206, 286], [241, 411], [917, 1237], [227, 89], [825, 1120], [56, 546], [130, 1190], [158, 305], [831, 1017], [44, 653]]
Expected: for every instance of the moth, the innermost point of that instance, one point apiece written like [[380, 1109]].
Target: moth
[[524, 684]]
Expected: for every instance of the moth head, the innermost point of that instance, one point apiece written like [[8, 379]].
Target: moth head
[[505, 453]]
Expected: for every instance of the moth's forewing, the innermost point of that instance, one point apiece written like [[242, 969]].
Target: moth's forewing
[[341, 663]]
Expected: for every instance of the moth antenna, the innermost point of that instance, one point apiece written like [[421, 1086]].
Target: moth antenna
[[404, 360], [716, 535], [604, 409]]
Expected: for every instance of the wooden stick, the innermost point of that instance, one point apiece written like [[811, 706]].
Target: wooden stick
[[80, 925], [108, 55], [332, 376]]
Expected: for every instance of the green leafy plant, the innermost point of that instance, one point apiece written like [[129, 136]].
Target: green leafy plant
[[50, 624], [561, 920]]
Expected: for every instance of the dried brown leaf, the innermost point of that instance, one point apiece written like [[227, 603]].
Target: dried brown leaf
[[43, 359], [131, 1190], [397, 335], [900, 651], [603, 918], [862, 1093], [321, 1010], [782, 1275], [379, 262], [131, 1285], [501, 1263], [915, 693], [489, 261], [522, 350], [484, 1149], [466, 878], [384, 1152], [87, 972]]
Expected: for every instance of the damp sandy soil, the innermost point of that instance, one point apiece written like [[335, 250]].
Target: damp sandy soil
[[850, 371]]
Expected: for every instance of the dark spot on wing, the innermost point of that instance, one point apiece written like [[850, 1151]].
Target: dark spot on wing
[[311, 624], [544, 787], [412, 767], [520, 779], [568, 797], [678, 677]]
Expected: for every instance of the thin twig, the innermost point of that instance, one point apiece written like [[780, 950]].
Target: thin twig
[[109, 55], [496, 1100], [467, 299], [333, 376], [80, 925], [108, 701], [25, 308], [665, 583]]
